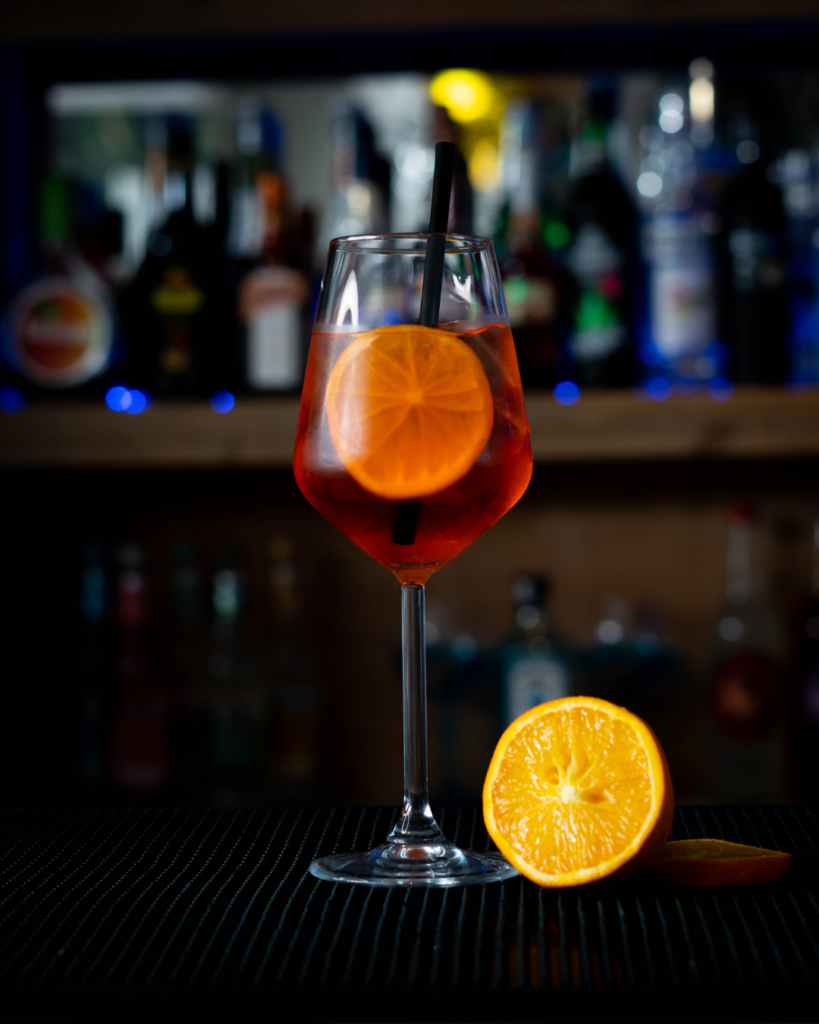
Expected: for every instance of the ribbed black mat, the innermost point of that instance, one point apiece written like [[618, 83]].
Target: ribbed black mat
[[211, 915]]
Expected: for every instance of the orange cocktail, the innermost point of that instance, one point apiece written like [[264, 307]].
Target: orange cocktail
[[416, 521], [412, 440]]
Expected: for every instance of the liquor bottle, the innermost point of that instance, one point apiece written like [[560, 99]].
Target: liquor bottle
[[177, 309], [681, 171], [797, 174], [360, 180], [806, 711], [533, 283], [755, 324], [236, 696], [601, 256], [461, 197], [185, 662], [534, 660], [748, 750], [59, 335], [295, 763], [140, 738], [274, 289], [94, 668]]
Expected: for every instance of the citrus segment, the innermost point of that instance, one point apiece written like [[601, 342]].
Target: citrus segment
[[711, 862], [409, 410], [578, 789]]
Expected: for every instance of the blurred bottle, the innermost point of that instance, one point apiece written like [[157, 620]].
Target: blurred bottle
[[749, 753], [681, 174], [461, 198], [236, 698], [360, 180], [806, 711], [273, 291], [755, 314], [185, 661], [59, 335], [797, 174], [94, 667], [294, 754], [630, 664], [140, 739], [177, 311], [534, 659], [601, 256], [535, 287]]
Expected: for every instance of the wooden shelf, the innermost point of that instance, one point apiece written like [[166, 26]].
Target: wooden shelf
[[605, 426]]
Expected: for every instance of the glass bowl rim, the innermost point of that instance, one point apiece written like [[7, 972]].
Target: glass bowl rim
[[358, 243]]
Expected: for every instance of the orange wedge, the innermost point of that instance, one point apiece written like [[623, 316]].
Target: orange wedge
[[712, 862], [409, 410], [578, 790]]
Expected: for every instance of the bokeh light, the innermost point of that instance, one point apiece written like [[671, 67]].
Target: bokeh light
[[467, 95], [11, 399], [120, 399], [222, 401], [117, 398], [658, 389], [566, 392]]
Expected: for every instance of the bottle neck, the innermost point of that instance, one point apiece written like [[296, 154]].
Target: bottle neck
[[738, 576]]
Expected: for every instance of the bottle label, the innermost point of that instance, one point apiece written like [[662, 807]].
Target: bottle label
[[683, 303], [177, 294], [597, 263], [58, 334], [271, 300], [745, 696], [534, 680], [682, 300]]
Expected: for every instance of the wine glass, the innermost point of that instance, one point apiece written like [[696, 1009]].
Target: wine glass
[[412, 440]]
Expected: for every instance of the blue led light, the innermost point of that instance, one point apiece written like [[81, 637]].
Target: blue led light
[[658, 389], [137, 402], [117, 398], [222, 401], [11, 400], [721, 388], [392, 317], [566, 392]]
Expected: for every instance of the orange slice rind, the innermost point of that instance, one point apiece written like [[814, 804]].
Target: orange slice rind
[[707, 863], [409, 410], [578, 790]]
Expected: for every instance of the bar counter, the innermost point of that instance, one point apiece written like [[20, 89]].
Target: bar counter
[[197, 915]]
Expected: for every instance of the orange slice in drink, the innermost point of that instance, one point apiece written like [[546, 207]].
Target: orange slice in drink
[[712, 862], [578, 790], [409, 410]]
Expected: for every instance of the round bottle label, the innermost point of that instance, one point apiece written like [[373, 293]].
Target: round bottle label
[[58, 334]]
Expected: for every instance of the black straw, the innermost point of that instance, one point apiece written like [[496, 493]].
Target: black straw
[[406, 517], [436, 244]]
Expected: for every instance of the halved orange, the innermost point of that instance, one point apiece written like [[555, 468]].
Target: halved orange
[[578, 790], [706, 863], [409, 410]]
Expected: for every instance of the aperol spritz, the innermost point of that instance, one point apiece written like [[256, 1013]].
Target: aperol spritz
[[412, 440]]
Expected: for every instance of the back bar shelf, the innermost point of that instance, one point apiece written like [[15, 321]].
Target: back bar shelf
[[258, 433]]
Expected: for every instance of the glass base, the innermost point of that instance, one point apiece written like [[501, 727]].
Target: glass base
[[414, 864]]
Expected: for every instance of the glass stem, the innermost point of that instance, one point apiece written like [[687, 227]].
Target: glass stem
[[416, 824]]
